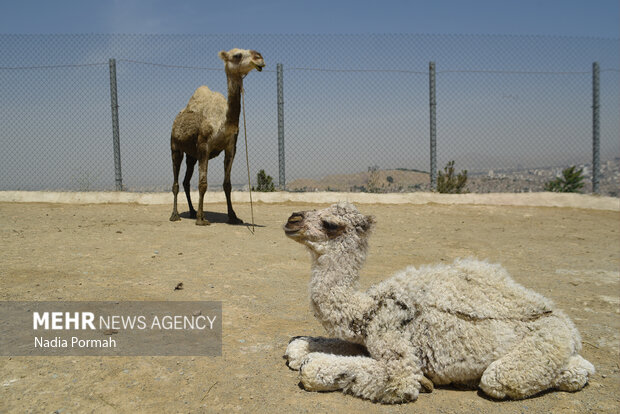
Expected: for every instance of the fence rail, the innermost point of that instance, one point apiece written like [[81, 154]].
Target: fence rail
[[363, 113]]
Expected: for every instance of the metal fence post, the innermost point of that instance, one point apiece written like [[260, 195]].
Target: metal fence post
[[115, 133], [433, 121], [282, 176], [596, 144]]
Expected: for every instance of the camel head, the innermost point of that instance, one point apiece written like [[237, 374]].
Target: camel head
[[241, 62], [327, 229]]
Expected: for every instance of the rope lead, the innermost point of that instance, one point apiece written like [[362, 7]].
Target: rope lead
[[247, 160]]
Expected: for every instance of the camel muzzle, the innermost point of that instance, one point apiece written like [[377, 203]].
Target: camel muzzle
[[293, 225]]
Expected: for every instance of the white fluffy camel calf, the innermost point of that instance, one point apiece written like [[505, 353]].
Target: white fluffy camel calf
[[466, 323]]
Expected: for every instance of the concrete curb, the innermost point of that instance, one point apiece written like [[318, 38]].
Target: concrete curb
[[511, 199]]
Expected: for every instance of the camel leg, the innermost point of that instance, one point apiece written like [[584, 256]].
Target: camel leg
[[391, 375], [203, 165], [575, 374], [361, 376], [229, 156], [328, 372], [189, 171], [536, 364], [177, 157], [300, 346]]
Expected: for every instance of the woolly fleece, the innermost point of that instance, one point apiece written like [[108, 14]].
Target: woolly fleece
[[466, 323]]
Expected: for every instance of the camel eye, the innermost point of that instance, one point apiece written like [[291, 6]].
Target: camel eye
[[237, 56], [330, 226]]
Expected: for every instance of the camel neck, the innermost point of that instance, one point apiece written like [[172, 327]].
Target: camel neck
[[334, 293], [334, 270], [235, 84]]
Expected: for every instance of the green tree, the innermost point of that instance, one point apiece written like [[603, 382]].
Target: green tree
[[570, 181], [373, 179], [448, 183], [264, 182]]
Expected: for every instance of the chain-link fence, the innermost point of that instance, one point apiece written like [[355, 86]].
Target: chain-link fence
[[513, 111]]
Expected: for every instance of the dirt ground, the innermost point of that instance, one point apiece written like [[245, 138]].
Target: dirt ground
[[122, 252]]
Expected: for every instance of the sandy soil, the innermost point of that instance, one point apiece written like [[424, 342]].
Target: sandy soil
[[132, 252]]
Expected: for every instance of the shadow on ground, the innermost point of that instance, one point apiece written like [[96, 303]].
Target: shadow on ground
[[215, 217]]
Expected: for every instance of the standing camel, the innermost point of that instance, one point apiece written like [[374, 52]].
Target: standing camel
[[208, 125]]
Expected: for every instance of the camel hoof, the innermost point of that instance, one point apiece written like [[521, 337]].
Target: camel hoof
[[175, 216], [427, 385], [192, 214], [202, 222], [234, 220]]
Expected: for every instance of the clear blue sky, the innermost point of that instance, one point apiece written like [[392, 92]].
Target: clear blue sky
[[335, 122], [596, 18]]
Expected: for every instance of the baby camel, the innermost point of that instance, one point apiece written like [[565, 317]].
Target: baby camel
[[466, 323]]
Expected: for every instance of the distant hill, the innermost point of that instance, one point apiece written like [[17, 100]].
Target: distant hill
[[379, 181], [491, 181]]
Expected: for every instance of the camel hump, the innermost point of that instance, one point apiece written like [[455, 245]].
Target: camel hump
[[204, 98], [476, 290]]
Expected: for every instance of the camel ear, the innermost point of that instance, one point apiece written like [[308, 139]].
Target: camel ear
[[223, 55], [367, 224]]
